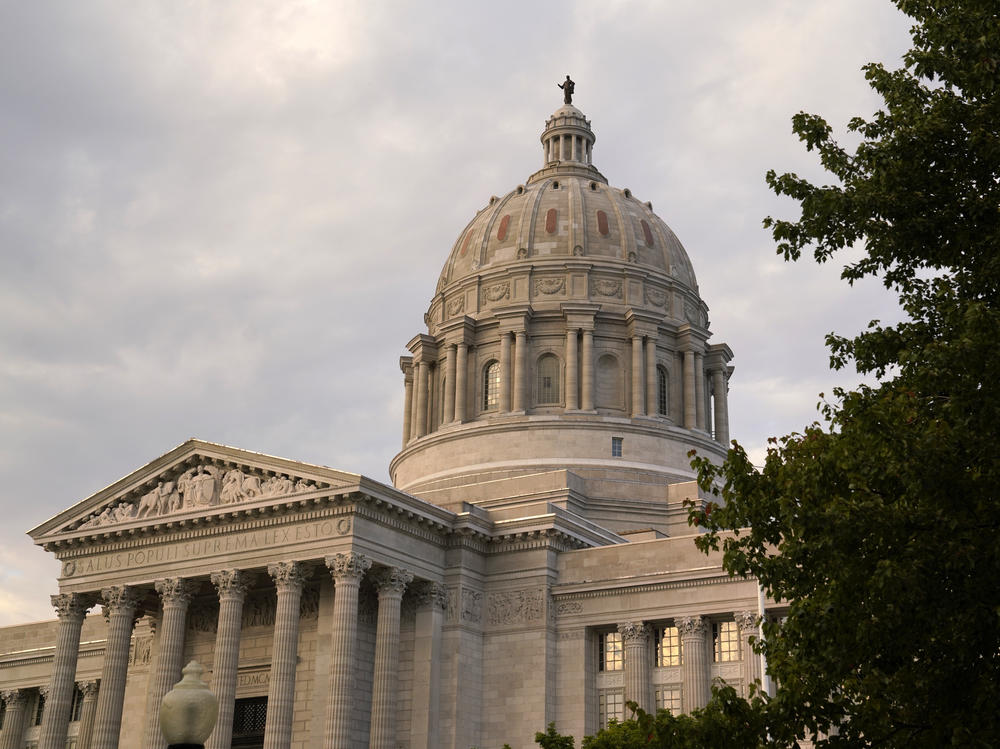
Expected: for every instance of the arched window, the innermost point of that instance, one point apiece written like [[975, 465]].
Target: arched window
[[661, 391], [609, 383], [491, 385], [548, 379]]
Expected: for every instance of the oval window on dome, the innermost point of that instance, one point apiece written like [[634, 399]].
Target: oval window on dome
[[602, 223], [647, 233], [502, 231], [465, 244], [550, 221]]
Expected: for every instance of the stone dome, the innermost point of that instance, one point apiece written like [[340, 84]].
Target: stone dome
[[566, 332]]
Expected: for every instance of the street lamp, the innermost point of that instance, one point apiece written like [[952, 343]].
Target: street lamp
[[188, 711]]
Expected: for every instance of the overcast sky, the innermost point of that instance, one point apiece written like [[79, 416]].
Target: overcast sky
[[225, 220]]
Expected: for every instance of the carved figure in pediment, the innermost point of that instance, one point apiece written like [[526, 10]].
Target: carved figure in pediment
[[304, 486], [163, 498], [232, 487], [122, 512], [277, 486], [200, 486]]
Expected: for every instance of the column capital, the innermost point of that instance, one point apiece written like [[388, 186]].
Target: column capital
[[348, 565], [692, 626], [287, 574], [120, 598], [71, 605], [391, 580], [747, 621], [230, 583], [14, 698], [431, 595], [88, 688], [174, 591], [634, 632], [44, 691]]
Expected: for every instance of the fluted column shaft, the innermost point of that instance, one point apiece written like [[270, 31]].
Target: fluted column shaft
[[699, 390], [652, 386], [87, 711], [71, 609], [572, 371], [721, 407], [504, 372], [747, 622], [690, 410], [587, 357], [121, 603], [407, 407], [638, 398], [695, 664], [461, 372], [421, 399], [635, 641], [288, 580], [347, 570], [175, 595], [520, 370], [449, 385], [232, 588], [15, 716], [391, 583], [432, 601]]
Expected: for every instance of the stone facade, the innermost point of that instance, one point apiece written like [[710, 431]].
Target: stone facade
[[532, 562]]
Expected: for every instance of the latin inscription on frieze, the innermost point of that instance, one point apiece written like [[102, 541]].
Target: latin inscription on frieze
[[228, 544]]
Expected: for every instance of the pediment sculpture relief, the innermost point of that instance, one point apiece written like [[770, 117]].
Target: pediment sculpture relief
[[199, 487]]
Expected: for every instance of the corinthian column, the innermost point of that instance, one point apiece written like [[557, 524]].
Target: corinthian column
[[721, 407], [71, 608], [121, 603], [638, 400], [347, 570], [432, 601], [87, 710], [572, 378], [652, 388], [232, 588], [690, 410], [520, 355], [288, 579], [587, 355], [504, 372], [699, 390], [175, 595], [391, 582], [421, 399], [695, 666], [747, 622], [449, 385], [635, 640], [461, 371], [15, 704], [407, 406]]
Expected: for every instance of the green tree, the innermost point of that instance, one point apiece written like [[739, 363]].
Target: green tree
[[878, 524]]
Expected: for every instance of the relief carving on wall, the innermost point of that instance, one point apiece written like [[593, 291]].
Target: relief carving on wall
[[550, 285], [515, 607], [201, 486], [456, 305], [497, 291], [203, 616], [142, 648], [606, 287], [656, 297], [569, 607], [464, 605]]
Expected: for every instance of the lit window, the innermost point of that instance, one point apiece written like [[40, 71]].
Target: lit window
[[616, 447], [612, 655], [669, 698], [668, 647], [661, 391], [610, 706], [726, 637], [548, 379], [491, 386]]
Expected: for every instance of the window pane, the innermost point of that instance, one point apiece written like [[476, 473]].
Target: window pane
[[612, 652], [669, 698], [727, 641], [491, 386], [548, 379], [610, 706], [616, 447], [668, 647], [661, 390]]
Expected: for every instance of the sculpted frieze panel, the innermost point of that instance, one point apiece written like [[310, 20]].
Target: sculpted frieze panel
[[199, 487], [515, 607]]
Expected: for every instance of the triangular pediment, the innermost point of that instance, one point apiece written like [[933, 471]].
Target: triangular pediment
[[197, 478]]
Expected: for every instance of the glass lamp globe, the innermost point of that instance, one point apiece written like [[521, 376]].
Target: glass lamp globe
[[189, 710]]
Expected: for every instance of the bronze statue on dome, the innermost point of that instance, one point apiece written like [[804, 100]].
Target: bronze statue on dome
[[568, 86]]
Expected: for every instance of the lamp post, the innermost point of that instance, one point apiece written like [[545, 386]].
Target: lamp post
[[188, 711]]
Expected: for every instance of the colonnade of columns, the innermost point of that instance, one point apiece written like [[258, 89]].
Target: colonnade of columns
[[101, 716], [696, 659], [568, 147]]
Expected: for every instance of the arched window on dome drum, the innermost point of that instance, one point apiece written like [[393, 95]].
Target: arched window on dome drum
[[547, 392], [661, 391], [609, 383], [491, 385]]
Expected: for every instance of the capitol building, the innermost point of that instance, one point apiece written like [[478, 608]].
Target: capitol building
[[530, 563]]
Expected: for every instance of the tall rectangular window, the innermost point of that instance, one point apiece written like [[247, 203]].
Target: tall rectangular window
[[668, 647], [726, 639], [491, 386], [610, 706], [668, 698], [249, 717], [616, 447], [77, 707], [39, 709], [612, 654]]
